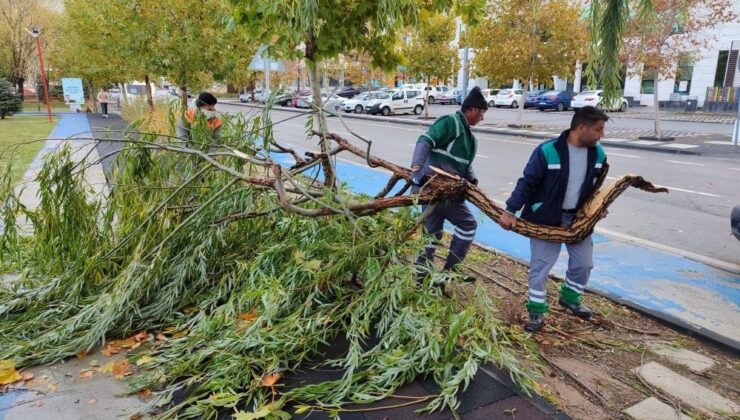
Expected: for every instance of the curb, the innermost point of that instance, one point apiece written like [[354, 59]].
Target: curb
[[487, 130]]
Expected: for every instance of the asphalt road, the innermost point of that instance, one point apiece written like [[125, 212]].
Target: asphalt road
[[693, 217]]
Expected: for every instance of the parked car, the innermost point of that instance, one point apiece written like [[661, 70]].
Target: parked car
[[735, 221], [348, 92], [447, 97], [530, 99], [296, 96], [247, 96], [435, 93], [554, 99], [331, 102], [402, 101], [593, 98], [357, 104], [284, 99], [508, 97], [488, 94]]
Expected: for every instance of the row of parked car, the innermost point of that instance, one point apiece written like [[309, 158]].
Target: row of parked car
[[384, 101], [559, 100]]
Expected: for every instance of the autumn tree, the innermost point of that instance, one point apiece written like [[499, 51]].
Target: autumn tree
[[17, 46], [429, 52], [528, 40], [674, 32], [323, 30], [360, 70]]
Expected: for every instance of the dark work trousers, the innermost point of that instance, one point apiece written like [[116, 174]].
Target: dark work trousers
[[104, 108], [456, 212]]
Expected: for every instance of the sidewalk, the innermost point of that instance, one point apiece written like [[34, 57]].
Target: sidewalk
[[685, 142]]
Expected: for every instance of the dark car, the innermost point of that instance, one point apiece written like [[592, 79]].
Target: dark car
[[554, 99], [735, 221], [348, 92], [284, 99], [530, 100]]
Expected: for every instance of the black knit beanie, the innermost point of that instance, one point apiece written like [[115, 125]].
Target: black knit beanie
[[475, 99], [205, 98]]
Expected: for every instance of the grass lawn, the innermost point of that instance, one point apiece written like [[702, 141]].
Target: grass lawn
[[55, 106], [18, 129]]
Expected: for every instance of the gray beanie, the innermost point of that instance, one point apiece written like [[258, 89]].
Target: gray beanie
[[475, 99]]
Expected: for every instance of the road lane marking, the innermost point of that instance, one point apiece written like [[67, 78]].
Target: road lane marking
[[734, 169], [680, 189], [482, 156], [629, 156], [681, 162]]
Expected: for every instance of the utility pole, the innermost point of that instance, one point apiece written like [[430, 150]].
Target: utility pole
[[465, 59], [36, 33]]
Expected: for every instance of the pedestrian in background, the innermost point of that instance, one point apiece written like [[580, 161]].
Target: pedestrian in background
[[451, 146], [560, 176], [103, 99]]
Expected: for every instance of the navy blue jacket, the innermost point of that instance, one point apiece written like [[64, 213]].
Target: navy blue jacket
[[541, 190]]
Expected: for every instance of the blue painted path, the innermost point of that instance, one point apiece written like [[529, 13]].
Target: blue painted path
[[683, 292]]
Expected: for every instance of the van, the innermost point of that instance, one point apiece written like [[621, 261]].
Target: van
[[402, 101]]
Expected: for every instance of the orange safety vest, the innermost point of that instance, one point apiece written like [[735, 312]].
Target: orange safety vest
[[213, 123]]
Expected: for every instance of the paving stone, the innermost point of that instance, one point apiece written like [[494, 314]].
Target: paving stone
[[694, 361], [654, 409], [687, 391]]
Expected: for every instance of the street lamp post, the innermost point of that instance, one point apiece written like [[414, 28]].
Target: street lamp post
[[36, 33]]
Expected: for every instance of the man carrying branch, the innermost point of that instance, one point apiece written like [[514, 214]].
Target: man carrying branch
[[560, 176], [449, 145]]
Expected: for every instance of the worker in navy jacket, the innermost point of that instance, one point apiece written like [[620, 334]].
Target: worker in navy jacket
[[560, 176]]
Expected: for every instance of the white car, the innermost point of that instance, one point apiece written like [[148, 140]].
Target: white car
[[357, 104], [331, 102], [508, 97], [247, 97], [593, 98], [402, 101], [436, 93]]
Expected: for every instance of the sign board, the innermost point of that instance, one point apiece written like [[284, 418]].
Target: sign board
[[258, 62], [73, 92]]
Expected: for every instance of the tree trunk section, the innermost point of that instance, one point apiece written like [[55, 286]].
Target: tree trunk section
[[520, 111], [149, 99], [183, 98], [20, 82], [656, 103], [329, 176]]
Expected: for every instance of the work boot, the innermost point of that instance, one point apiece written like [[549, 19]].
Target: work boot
[[535, 322], [578, 309]]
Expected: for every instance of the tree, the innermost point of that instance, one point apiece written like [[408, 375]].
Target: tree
[[324, 30], [672, 33], [359, 69], [543, 39], [10, 103], [430, 53], [17, 46]]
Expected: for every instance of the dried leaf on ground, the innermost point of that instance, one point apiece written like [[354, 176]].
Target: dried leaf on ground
[[8, 374], [122, 368], [27, 376], [271, 379], [86, 374], [145, 393], [92, 401], [249, 316], [81, 354]]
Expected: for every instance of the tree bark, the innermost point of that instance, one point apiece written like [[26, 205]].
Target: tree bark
[[656, 103], [329, 175], [148, 88], [183, 98], [20, 81]]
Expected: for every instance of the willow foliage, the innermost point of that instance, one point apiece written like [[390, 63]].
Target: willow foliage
[[161, 255]]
